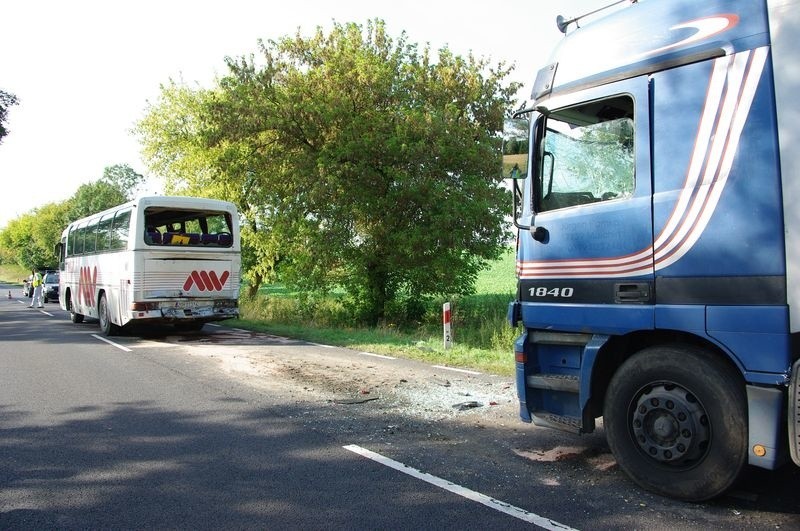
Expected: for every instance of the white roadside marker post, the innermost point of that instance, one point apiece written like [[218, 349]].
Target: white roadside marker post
[[448, 334]]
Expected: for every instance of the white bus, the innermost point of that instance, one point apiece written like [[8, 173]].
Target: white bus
[[159, 259]]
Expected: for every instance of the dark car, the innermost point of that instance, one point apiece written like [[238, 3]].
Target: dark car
[[50, 286]]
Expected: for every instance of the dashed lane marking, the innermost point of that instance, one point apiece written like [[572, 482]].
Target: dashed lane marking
[[503, 507], [126, 349], [377, 355], [465, 371]]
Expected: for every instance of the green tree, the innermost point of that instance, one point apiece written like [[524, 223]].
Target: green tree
[[30, 239], [204, 143], [363, 161], [123, 178], [94, 197], [6, 100]]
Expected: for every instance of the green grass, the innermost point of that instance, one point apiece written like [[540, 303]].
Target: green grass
[[483, 340], [390, 342]]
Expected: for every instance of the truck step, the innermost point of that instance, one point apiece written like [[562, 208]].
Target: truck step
[[554, 382], [558, 422], [560, 338]]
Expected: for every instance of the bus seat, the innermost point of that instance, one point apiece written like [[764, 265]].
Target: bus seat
[[194, 238], [152, 238], [205, 239], [225, 239]]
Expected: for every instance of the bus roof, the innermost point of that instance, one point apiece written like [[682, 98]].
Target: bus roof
[[174, 201]]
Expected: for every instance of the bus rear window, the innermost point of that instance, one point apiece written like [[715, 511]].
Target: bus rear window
[[192, 228]]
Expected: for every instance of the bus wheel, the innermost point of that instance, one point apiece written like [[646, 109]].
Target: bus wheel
[[676, 420], [106, 326], [76, 318]]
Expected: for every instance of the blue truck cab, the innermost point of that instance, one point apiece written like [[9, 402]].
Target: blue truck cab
[[657, 199]]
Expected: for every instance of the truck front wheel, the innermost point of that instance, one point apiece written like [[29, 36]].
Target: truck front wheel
[[676, 420]]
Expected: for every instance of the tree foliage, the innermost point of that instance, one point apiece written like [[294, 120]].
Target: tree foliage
[[357, 160], [6, 100], [123, 178], [30, 239]]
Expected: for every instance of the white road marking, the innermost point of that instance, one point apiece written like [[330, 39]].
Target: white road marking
[[371, 354], [45, 312], [454, 369], [377, 355], [126, 349], [516, 512]]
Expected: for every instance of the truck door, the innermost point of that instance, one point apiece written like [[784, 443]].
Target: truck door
[[591, 198]]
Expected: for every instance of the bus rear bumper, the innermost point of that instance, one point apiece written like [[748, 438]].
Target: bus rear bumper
[[170, 312]]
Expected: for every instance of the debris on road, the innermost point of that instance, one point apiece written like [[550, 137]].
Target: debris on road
[[349, 401], [463, 406]]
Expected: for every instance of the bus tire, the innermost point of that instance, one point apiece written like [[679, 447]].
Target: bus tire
[[106, 326], [676, 421], [76, 318]]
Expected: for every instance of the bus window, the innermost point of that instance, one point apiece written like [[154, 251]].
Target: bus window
[[80, 232], [192, 228], [104, 232], [71, 238], [89, 244], [120, 229]]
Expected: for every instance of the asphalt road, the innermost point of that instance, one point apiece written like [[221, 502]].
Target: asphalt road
[[227, 429]]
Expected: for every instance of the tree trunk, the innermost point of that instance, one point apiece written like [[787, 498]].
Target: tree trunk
[[377, 293], [252, 289]]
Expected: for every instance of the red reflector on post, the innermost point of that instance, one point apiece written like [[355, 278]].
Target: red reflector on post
[[520, 357]]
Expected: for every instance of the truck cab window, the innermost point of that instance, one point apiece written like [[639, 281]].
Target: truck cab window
[[587, 155]]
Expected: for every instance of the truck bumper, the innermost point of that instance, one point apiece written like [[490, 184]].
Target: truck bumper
[[522, 389], [765, 412]]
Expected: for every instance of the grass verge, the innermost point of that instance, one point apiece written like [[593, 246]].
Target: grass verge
[[483, 340]]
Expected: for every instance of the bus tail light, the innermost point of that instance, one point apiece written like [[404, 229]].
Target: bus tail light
[[144, 306]]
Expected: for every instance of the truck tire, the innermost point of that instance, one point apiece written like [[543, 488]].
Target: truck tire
[[676, 420], [106, 326]]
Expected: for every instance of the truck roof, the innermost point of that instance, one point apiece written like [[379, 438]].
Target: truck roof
[[650, 36]]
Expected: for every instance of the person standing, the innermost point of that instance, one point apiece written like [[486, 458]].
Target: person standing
[[36, 280]]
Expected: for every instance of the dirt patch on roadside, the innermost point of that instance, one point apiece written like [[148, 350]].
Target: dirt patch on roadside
[[337, 375]]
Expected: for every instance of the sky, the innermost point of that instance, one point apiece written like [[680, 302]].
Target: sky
[[84, 70]]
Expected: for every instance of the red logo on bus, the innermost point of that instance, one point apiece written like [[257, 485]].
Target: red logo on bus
[[87, 285], [206, 281]]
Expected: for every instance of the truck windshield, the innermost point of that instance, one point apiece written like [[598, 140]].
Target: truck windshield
[[588, 155]]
